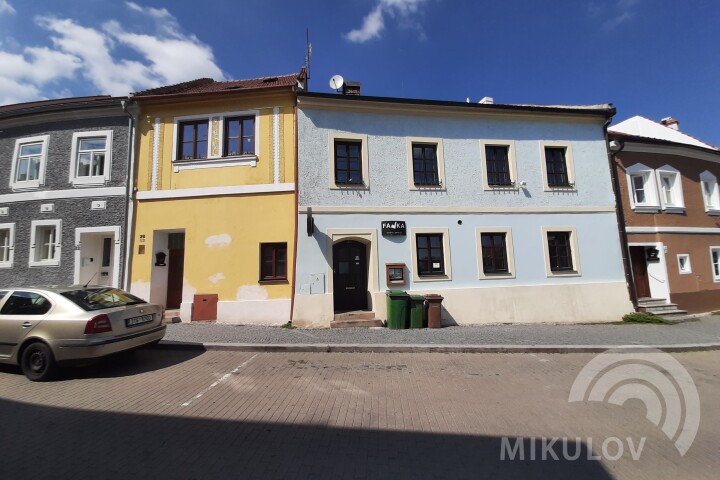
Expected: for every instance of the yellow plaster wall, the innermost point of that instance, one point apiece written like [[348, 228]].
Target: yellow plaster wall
[[248, 220], [263, 173]]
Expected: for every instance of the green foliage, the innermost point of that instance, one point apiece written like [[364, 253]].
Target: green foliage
[[644, 317]]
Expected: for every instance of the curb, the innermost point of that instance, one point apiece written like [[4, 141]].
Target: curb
[[426, 348]]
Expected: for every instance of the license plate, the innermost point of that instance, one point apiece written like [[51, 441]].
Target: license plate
[[135, 321]]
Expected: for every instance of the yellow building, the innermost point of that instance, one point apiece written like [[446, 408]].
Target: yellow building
[[215, 208]]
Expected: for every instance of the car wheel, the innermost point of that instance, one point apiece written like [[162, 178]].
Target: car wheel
[[37, 362]]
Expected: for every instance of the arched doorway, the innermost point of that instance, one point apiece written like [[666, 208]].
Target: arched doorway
[[350, 276]]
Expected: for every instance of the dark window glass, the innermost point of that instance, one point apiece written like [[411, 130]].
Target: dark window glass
[[26, 303], [239, 136], [425, 166], [193, 142], [430, 260], [559, 251], [273, 261], [348, 162], [556, 167], [494, 253], [107, 249], [498, 169], [99, 298]]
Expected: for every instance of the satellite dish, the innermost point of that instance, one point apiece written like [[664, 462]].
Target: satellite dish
[[336, 82]]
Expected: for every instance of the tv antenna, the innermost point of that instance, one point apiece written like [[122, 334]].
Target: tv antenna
[[336, 82]]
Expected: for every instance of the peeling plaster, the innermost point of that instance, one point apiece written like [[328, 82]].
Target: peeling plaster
[[222, 240], [252, 292], [216, 278]]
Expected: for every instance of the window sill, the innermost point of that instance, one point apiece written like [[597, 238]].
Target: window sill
[[712, 211], [679, 210], [432, 278], [45, 264], [25, 188], [5, 265], [649, 209], [561, 189], [87, 184], [220, 162], [349, 186], [427, 188], [278, 281], [565, 273], [496, 276], [512, 187]]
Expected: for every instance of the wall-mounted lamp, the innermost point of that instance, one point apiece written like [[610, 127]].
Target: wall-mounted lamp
[[160, 259], [523, 183]]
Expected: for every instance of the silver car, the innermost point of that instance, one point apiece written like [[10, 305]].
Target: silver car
[[42, 327]]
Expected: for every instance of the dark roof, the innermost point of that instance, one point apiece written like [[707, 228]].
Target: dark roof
[[208, 85], [605, 110], [57, 104]]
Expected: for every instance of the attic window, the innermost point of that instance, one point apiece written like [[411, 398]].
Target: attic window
[[270, 80]]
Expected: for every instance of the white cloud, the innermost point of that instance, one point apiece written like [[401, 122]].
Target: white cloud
[[5, 7], [613, 14], [167, 56], [374, 23], [23, 75]]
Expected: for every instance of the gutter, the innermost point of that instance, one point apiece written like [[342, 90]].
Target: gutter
[[129, 190], [297, 213], [620, 214]]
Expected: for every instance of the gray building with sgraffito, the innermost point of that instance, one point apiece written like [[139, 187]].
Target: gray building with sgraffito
[[63, 191]]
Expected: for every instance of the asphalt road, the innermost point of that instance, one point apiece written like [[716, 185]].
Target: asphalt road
[[220, 414]]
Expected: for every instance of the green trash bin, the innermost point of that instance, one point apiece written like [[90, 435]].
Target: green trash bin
[[397, 309], [417, 312]]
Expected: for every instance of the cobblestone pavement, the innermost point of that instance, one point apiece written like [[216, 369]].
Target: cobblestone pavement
[[220, 414], [706, 330]]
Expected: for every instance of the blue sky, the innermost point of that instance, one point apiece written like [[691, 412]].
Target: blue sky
[[654, 58]]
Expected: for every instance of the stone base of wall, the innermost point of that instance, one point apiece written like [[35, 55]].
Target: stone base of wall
[[575, 303], [246, 312], [697, 302]]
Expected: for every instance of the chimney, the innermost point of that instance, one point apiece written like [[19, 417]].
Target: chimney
[[487, 100], [351, 88], [671, 122]]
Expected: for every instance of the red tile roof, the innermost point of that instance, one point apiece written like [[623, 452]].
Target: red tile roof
[[208, 85]]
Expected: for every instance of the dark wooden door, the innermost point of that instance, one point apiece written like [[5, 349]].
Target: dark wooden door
[[176, 264], [640, 273], [349, 276]]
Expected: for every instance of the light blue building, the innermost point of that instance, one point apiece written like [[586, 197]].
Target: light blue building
[[507, 211]]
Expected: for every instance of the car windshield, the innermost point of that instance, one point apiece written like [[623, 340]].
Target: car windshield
[[99, 298]]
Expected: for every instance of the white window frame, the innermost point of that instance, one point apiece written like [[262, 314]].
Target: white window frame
[[352, 137], [569, 165], [107, 167], [440, 156], [712, 201], [678, 202], [574, 252], [512, 165], [716, 277], [652, 202], [216, 132], [445, 232], [35, 225], [15, 185], [509, 253], [10, 227], [688, 267]]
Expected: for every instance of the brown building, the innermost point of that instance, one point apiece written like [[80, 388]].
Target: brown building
[[668, 189]]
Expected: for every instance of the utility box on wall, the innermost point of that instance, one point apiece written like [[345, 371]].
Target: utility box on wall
[[205, 307]]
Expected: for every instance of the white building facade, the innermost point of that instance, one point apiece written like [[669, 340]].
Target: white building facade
[[506, 211]]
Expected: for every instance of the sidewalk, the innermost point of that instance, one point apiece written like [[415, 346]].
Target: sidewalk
[[702, 334]]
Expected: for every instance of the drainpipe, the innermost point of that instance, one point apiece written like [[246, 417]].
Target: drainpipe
[[297, 212], [613, 150], [132, 110]]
